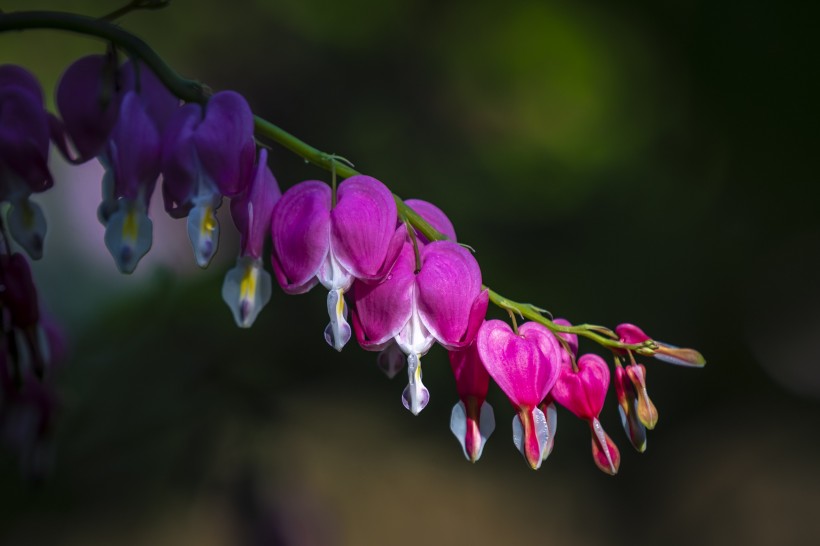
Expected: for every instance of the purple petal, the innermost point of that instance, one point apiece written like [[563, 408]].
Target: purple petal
[[363, 226], [513, 362], [300, 229], [134, 150], [433, 216], [88, 109], [12, 75], [160, 103], [24, 135], [180, 164], [381, 310], [448, 284], [224, 142], [251, 211]]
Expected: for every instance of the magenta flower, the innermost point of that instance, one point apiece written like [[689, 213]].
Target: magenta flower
[[314, 242], [24, 143], [442, 302], [583, 391], [472, 420], [247, 287], [526, 366], [207, 152], [636, 409], [568, 352], [88, 99], [631, 334]]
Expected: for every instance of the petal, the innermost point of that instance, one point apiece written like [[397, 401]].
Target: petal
[[337, 333], [635, 430], [24, 137], [583, 392], [246, 290], [604, 451], [12, 75], [570, 339], [224, 142], [27, 225], [448, 284], [514, 363], [134, 150], [646, 411], [300, 229], [181, 168], [88, 103], [631, 334], [363, 226], [415, 396], [433, 216], [472, 427], [251, 212], [547, 373], [390, 359], [679, 356], [530, 435], [551, 414], [159, 102], [203, 228], [128, 235], [471, 377], [381, 310]]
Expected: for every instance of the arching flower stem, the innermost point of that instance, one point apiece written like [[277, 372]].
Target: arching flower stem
[[194, 91]]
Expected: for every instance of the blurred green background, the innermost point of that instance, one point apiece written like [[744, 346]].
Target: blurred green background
[[639, 162]]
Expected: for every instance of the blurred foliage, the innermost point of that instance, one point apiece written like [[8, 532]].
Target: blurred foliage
[[644, 162]]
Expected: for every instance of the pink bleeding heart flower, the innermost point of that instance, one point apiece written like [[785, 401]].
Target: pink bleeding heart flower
[[24, 145], [525, 365], [632, 335], [636, 409], [315, 242], [583, 392], [443, 301], [472, 420], [207, 152], [391, 359], [247, 287], [132, 165]]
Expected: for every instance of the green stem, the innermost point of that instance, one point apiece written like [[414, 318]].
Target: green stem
[[194, 91]]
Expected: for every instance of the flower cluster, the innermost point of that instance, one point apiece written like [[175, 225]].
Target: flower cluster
[[397, 279]]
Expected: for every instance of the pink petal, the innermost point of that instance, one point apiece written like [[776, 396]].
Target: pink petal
[[433, 216], [381, 310], [449, 283], [583, 392], [251, 211], [515, 363], [472, 378], [630, 334], [300, 229], [364, 226]]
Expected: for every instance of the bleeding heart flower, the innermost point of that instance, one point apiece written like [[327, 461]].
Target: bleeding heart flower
[[583, 392], [247, 287], [636, 409], [631, 334], [525, 365], [442, 301], [315, 242], [472, 420]]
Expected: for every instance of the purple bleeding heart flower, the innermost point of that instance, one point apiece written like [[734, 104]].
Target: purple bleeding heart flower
[[525, 365], [582, 391], [247, 287], [314, 242], [472, 420], [24, 143], [207, 153], [88, 99], [441, 302]]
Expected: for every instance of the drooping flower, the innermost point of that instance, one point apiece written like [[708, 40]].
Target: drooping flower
[[568, 352], [631, 334], [24, 144], [315, 242], [525, 365], [634, 406], [88, 99], [247, 287], [582, 391], [132, 163], [440, 299], [472, 420], [208, 152]]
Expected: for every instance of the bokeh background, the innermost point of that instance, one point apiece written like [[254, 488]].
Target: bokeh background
[[635, 161]]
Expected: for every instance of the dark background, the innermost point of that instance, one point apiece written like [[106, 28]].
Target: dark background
[[647, 162]]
